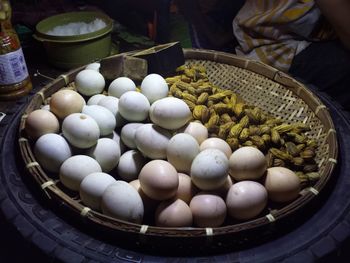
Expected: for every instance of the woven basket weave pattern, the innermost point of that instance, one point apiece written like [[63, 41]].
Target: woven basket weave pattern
[[270, 96]]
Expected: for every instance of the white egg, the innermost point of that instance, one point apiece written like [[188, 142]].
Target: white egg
[[152, 141], [104, 118], [134, 106], [170, 113], [80, 130], [209, 169], [247, 163], [121, 85], [109, 102], [181, 150], [154, 87], [89, 82], [216, 143], [197, 130], [94, 66], [51, 150], [116, 137], [106, 152], [112, 103], [94, 100], [246, 199], [127, 134], [122, 201], [92, 188], [75, 169], [130, 165]]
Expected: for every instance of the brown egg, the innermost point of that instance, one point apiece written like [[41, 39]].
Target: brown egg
[[173, 213], [247, 163], [40, 122], [216, 143], [148, 203], [208, 210], [186, 189], [246, 200], [159, 180], [135, 184], [282, 184], [197, 130], [65, 102]]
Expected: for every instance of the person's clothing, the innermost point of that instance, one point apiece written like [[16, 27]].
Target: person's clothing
[[275, 31], [291, 35], [327, 66]]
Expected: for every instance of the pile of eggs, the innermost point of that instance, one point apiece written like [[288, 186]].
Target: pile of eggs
[[134, 154]]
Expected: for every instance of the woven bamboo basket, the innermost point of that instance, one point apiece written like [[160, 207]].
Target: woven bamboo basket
[[259, 85]]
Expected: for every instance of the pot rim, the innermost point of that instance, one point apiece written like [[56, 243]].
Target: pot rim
[[42, 27]]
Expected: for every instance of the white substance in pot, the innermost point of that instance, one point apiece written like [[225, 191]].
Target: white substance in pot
[[77, 28]]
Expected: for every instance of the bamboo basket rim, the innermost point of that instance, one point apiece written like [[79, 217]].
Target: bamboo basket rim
[[49, 186]]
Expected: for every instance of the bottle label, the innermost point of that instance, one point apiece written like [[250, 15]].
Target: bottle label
[[13, 68]]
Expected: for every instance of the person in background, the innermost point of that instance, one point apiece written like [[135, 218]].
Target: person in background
[[210, 22], [149, 18], [308, 39]]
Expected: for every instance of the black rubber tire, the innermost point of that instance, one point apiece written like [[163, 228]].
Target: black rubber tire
[[38, 230]]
